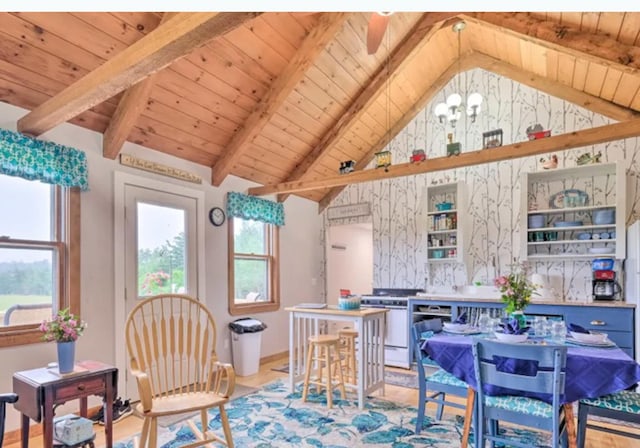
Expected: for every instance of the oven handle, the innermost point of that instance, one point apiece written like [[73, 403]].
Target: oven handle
[[388, 307]]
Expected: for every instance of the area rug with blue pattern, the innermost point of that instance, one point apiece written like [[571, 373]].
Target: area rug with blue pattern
[[274, 417]]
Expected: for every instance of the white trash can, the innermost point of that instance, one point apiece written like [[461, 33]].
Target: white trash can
[[246, 339]]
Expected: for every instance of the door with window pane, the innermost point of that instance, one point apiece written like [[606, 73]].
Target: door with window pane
[[160, 247]]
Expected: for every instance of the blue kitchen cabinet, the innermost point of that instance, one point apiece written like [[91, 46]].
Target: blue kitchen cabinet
[[614, 319]]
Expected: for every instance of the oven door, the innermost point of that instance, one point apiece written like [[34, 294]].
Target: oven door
[[397, 329]]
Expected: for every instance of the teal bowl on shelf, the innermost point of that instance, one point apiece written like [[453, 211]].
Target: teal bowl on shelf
[[438, 253], [443, 206]]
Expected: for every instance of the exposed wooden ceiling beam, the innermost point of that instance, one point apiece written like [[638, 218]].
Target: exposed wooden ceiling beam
[[170, 41], [466, 62], [598, 48], [562, 91], [419, 35], [129, 109], [314, 44], [576, 139]]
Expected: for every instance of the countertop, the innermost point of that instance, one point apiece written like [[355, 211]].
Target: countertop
[[468, 298]]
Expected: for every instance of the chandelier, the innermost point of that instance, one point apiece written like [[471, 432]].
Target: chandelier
[[452, 109]]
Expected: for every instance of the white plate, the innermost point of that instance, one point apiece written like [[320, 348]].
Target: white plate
[[468, 330], [593, 337], [606, 343], [512, 338], [454, 326]]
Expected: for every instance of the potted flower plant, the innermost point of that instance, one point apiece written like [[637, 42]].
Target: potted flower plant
[[63, 328], [516, 290]]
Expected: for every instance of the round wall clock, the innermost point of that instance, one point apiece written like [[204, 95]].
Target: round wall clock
[[216, 216]]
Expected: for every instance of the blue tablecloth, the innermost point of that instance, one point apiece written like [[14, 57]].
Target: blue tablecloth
[[591, 372]]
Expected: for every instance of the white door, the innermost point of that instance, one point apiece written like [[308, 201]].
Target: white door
[[349, 262], [160, 248]]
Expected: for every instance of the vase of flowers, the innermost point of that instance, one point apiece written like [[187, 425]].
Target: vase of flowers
[[64, 328], [516, 291]]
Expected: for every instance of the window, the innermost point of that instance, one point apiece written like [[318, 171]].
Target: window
[[253, 267], [39, 256]]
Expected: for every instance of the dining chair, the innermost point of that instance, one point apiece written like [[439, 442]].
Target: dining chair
[[171, 342], [622, 406], [521, 368], [435, 387], [4, 400]]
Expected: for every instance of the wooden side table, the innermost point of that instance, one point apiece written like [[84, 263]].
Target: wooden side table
[[41, 390]]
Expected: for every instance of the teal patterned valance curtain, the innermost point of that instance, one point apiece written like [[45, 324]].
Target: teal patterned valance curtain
[[48, 162], [250, 207]]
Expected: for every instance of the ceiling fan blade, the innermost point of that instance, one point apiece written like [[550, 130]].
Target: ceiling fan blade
[[375, 32]]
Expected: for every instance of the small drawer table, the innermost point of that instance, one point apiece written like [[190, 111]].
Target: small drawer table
[[41, 390]]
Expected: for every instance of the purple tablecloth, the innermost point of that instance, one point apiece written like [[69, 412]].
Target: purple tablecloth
[[591, 372]]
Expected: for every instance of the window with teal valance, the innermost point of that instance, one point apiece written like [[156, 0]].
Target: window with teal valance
[[48, 162], [250, 207]]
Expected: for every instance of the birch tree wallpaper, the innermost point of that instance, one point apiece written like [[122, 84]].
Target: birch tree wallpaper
[[494, 209]]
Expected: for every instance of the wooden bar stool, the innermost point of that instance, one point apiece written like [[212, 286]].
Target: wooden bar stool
[[328, 355], [348, 353]]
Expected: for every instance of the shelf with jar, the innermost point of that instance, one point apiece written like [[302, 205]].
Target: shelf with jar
[[574, 213], [444, 206]]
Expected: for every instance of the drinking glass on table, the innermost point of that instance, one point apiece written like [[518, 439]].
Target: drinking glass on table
[[484, 323], [558, 331], [539, 326]]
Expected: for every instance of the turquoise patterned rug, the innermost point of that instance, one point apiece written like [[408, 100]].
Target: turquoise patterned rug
[[273, 417]]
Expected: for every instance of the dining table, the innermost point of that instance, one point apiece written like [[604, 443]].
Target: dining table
[[590, 371]]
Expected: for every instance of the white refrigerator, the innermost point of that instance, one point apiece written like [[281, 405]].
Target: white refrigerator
[[632, 277]]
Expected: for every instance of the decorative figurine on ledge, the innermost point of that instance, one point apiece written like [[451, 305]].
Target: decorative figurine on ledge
[[417, 155], [492, 139], [383, 160], [453, 149], [551, 163], [536, 132], [587, 158], [347, 166]]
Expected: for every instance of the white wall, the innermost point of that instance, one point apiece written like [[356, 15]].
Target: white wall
[[300, 250]]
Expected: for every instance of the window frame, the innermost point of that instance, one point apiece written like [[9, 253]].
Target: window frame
[[66, 239], [272, 245]]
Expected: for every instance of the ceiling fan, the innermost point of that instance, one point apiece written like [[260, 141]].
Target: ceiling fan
[[375, 31]]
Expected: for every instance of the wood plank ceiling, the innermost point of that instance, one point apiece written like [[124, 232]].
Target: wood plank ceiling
[[286, 97]]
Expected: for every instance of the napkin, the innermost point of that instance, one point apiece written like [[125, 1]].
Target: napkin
[[462, 319], [577, 329], [513, 327]]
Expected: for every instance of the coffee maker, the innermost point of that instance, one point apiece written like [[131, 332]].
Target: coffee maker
[[605, 286]]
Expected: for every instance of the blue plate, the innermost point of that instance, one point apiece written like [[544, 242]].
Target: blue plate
[[557, 200]]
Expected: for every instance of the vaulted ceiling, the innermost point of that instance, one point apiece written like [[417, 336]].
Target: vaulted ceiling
[[284, 97]]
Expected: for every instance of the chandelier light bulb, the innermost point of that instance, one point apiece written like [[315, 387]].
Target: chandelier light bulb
[[441, 111], [475, 99], [454, 101], [454, 116]]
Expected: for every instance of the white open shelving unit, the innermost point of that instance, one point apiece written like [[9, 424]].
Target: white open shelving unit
[[605, 187], [451, 239]]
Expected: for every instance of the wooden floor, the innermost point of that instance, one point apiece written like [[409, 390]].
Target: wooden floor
[[131, 425]]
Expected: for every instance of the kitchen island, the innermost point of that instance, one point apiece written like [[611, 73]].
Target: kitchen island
[[615, 318], [370, 324]]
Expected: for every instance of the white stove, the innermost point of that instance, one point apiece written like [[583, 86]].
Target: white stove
[[396, 341]]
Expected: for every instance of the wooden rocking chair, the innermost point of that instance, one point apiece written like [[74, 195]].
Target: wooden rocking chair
[[171, 342]]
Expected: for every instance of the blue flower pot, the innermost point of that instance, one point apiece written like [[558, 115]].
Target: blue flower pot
[[66, 356]]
